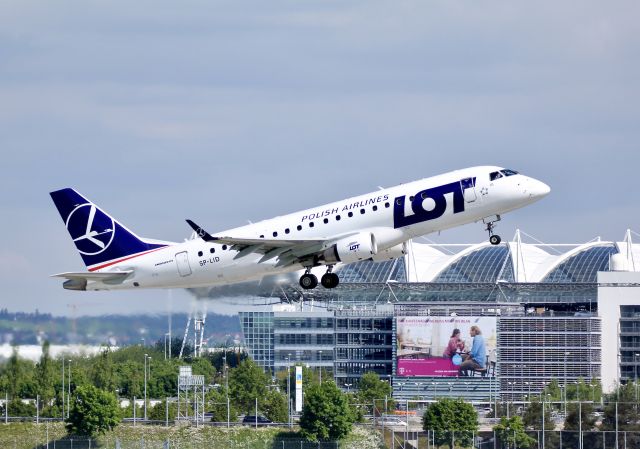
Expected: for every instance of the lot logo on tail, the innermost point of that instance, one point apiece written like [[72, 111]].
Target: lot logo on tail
[[91, 229]]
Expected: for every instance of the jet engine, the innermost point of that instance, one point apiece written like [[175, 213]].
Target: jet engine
[[390, 253], [357, 247]]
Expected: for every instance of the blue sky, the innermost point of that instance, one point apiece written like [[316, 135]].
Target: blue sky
[[225, 112]]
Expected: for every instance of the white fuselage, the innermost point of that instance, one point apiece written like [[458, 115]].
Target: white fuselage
[[197, 263]]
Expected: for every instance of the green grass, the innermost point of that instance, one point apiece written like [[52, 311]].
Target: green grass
[[32, 436]]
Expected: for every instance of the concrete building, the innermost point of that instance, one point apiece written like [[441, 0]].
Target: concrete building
[[552, 311]]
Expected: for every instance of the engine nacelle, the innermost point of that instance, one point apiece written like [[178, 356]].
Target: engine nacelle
[[391, 253], [357, 247]]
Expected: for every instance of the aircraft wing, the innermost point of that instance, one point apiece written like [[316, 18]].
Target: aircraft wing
[[288, 251]]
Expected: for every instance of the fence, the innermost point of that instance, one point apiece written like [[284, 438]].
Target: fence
[[552, 440], [115, 443]]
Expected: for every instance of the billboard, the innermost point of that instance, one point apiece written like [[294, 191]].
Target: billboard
[[438, 346], [298, 388]]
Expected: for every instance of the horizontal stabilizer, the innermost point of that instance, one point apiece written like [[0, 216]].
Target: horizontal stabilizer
[[78, 281], [108, 276]]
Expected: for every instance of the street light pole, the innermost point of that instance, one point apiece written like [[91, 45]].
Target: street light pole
[[69, 390], [145, 386], [289, 389], [320, 368], [63, 390]]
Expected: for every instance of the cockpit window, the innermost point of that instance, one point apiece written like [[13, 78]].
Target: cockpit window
[[508, 172], [495, 175]]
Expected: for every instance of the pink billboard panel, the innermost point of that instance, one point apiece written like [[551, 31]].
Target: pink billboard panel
[[441, 346]]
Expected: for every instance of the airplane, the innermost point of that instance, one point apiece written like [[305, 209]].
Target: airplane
[[373, 226]]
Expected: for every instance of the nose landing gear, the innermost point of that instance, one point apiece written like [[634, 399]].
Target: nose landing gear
[[494, 239]]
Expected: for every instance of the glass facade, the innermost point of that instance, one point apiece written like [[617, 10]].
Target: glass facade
[[369, 271], [483, 265], [629, 343], [583, 266], [257, 328], [364, 343]]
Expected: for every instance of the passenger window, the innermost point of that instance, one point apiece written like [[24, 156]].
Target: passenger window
[[399, 202], [350, 214], [224, 247], [495, 175], [337, 217], [362, 211], [199, 253], [375, 208], [262, 236], [286, 231], [275, 234], [386, 205], [326, 220], [212, 250], [311, 224], [299, 227]]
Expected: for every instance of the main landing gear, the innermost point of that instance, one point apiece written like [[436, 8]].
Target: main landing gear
[[494, 239], [309, 280]]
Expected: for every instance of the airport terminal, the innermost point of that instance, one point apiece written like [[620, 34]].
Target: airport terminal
[[546, 311]]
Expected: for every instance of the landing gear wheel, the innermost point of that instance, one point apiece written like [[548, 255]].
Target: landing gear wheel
[[308, 281], [329, 280], [495, 239]]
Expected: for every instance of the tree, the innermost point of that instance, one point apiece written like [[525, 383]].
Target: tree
[[46, 375], [373, 389], [103, 371], [532, 420], [572, 425], [326, 414], [19, 408], [510, 433], [216, 401], [623, 408], [159, 411], [93, 411], [274, 406], [451, 421], [246, 383]]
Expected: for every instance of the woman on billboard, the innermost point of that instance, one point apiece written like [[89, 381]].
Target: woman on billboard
[[455, 345]]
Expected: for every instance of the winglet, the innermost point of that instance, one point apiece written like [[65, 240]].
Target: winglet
[[204, 235]]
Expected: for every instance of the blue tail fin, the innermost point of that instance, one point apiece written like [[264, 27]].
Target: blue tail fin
[[98, 237]]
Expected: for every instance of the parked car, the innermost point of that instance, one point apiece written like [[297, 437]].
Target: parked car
[[391, 421], [252, 420]]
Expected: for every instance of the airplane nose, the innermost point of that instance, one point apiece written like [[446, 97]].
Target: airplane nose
[[538, 189]]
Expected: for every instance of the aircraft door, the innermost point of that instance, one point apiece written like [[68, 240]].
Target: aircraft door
[[469, 189], [182, 261]]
